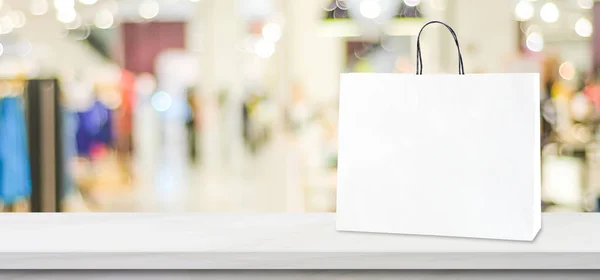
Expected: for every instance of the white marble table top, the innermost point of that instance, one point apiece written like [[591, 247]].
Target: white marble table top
[[275, 240]]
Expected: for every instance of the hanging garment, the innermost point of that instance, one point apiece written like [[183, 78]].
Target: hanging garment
[[15, 174], [94, 128], [124, 117]]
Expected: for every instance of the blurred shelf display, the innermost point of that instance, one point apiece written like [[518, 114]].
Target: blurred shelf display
[[33, 174]]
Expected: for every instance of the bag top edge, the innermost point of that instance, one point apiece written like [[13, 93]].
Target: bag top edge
[[412, 74]]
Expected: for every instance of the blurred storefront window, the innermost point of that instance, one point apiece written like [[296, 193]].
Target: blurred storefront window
[[231, 105]]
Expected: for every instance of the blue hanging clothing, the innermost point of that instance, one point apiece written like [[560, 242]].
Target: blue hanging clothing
[[15, 174]]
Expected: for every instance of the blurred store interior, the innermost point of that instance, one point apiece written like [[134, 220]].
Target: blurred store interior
[[231, 105]]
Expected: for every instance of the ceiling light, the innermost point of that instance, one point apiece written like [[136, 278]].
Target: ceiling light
[[66, 16], [370, 9], [62, 5], [412, 3], [524, 10], [104, 19], [535, 42], [549, 12], [149, 9], [38, 7], [583, 27]]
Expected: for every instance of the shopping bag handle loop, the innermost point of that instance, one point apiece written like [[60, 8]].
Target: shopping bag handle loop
[[461, 68]]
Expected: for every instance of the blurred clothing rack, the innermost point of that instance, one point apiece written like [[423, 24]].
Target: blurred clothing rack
[[43, 126]]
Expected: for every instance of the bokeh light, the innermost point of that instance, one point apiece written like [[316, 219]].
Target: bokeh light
[[161, 101], [535, 42], [549, 12], [264, 48], [272, 32], [66, 15], [104, 19], [583, 27], [149, 9], [38, 7], [88, 2], [370, 9], [567, 70], [524, 10]]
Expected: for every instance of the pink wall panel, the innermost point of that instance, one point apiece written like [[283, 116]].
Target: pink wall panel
[[143, 42]]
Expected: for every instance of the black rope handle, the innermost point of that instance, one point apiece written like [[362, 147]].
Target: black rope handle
[[461, 68]]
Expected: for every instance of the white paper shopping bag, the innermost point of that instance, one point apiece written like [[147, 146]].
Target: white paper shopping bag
[[446, 155]]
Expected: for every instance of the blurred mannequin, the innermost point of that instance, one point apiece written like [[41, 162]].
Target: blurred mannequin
[[193, 123], [124, 125], [548, 75]]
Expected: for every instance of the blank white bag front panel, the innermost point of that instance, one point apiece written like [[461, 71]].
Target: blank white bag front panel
[[450, 155]]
